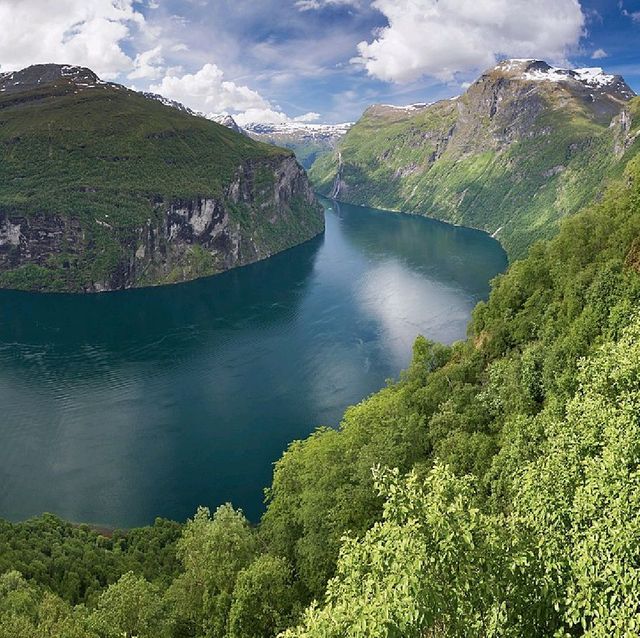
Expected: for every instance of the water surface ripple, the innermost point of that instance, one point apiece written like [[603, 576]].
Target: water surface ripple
[[121, 407]]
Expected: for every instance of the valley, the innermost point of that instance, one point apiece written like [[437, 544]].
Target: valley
[[524, 147], [377, 377]]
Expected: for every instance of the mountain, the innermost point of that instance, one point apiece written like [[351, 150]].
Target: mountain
[[173, 104], [524, 146], [228, 121], [503, 500], [102, 188], [308, 141]]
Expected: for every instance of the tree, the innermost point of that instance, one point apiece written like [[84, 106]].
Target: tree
[[130, 608], [263, 599], [213, 551]]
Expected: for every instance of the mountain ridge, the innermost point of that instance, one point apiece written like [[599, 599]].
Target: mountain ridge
[[102, 188], [524, 146]]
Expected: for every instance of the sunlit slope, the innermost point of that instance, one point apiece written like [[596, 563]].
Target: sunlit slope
[[523, 147]]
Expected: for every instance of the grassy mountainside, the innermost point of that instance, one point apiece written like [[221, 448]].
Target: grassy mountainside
[[525, 146], [102, 188], [504, 499]]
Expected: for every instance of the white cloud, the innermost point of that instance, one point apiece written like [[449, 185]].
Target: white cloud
[[307, 117], [314, 5], [440, 38], [271, 116], [148, 65], [208, 92], [598, 54], [265, 116], [68, 31]]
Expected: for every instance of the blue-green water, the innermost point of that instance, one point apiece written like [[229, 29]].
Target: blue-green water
[[121, 407]]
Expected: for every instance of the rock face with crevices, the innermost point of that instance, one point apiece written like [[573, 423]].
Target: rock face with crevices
[[524, 146], [103, 188]]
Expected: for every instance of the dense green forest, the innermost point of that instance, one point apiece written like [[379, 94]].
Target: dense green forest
[[493, 490]]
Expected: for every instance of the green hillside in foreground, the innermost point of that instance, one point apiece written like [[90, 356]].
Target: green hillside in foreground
[[525, 146], [103, 188], [492, 490]]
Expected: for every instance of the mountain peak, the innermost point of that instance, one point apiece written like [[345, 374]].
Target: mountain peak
[[227, 120], [592, 78], [43, 74]]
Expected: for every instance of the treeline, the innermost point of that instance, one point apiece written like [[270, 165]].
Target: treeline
[[504, 498]]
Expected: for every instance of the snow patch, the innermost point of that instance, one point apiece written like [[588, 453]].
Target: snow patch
[[539, 71]]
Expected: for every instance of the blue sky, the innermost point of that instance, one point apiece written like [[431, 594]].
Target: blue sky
[[315, 60]]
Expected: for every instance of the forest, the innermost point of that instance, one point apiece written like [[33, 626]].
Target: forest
[[492, 490]]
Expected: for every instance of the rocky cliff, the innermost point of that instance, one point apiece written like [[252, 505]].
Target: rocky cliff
[[102, 188], [524, 146]]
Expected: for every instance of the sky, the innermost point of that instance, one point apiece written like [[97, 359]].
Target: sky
[[314, 60]]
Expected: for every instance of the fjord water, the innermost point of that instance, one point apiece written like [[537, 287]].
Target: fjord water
[[121, 407]]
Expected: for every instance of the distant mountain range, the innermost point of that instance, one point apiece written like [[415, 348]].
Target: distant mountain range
[[103, 188], [309, 142], [526, 145]]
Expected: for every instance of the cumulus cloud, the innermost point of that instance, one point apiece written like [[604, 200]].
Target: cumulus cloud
[[148, 65], [271, 116], [598, 54], [264, 116], [307, 117], [440, 38], [68, 31], [208, 92]]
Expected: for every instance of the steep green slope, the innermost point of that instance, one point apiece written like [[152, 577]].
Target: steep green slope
[[542, 534], [512, 509], [103, 188], [525, 146]]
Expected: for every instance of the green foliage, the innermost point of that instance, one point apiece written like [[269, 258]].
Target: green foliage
[[130, 608], [27, 612], [563, 560], [322, 486], [77, 563], [213, 551], [264, 599], [435, 565]]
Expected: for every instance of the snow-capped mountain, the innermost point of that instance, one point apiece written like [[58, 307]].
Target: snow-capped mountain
[[226, 120], [299, 130], [44, 74], [592, 78], [172, 103], [418, 106], [308, 141]]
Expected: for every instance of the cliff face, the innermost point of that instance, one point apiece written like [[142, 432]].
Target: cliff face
[[116, 202], [524, 146], [182, 240]]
